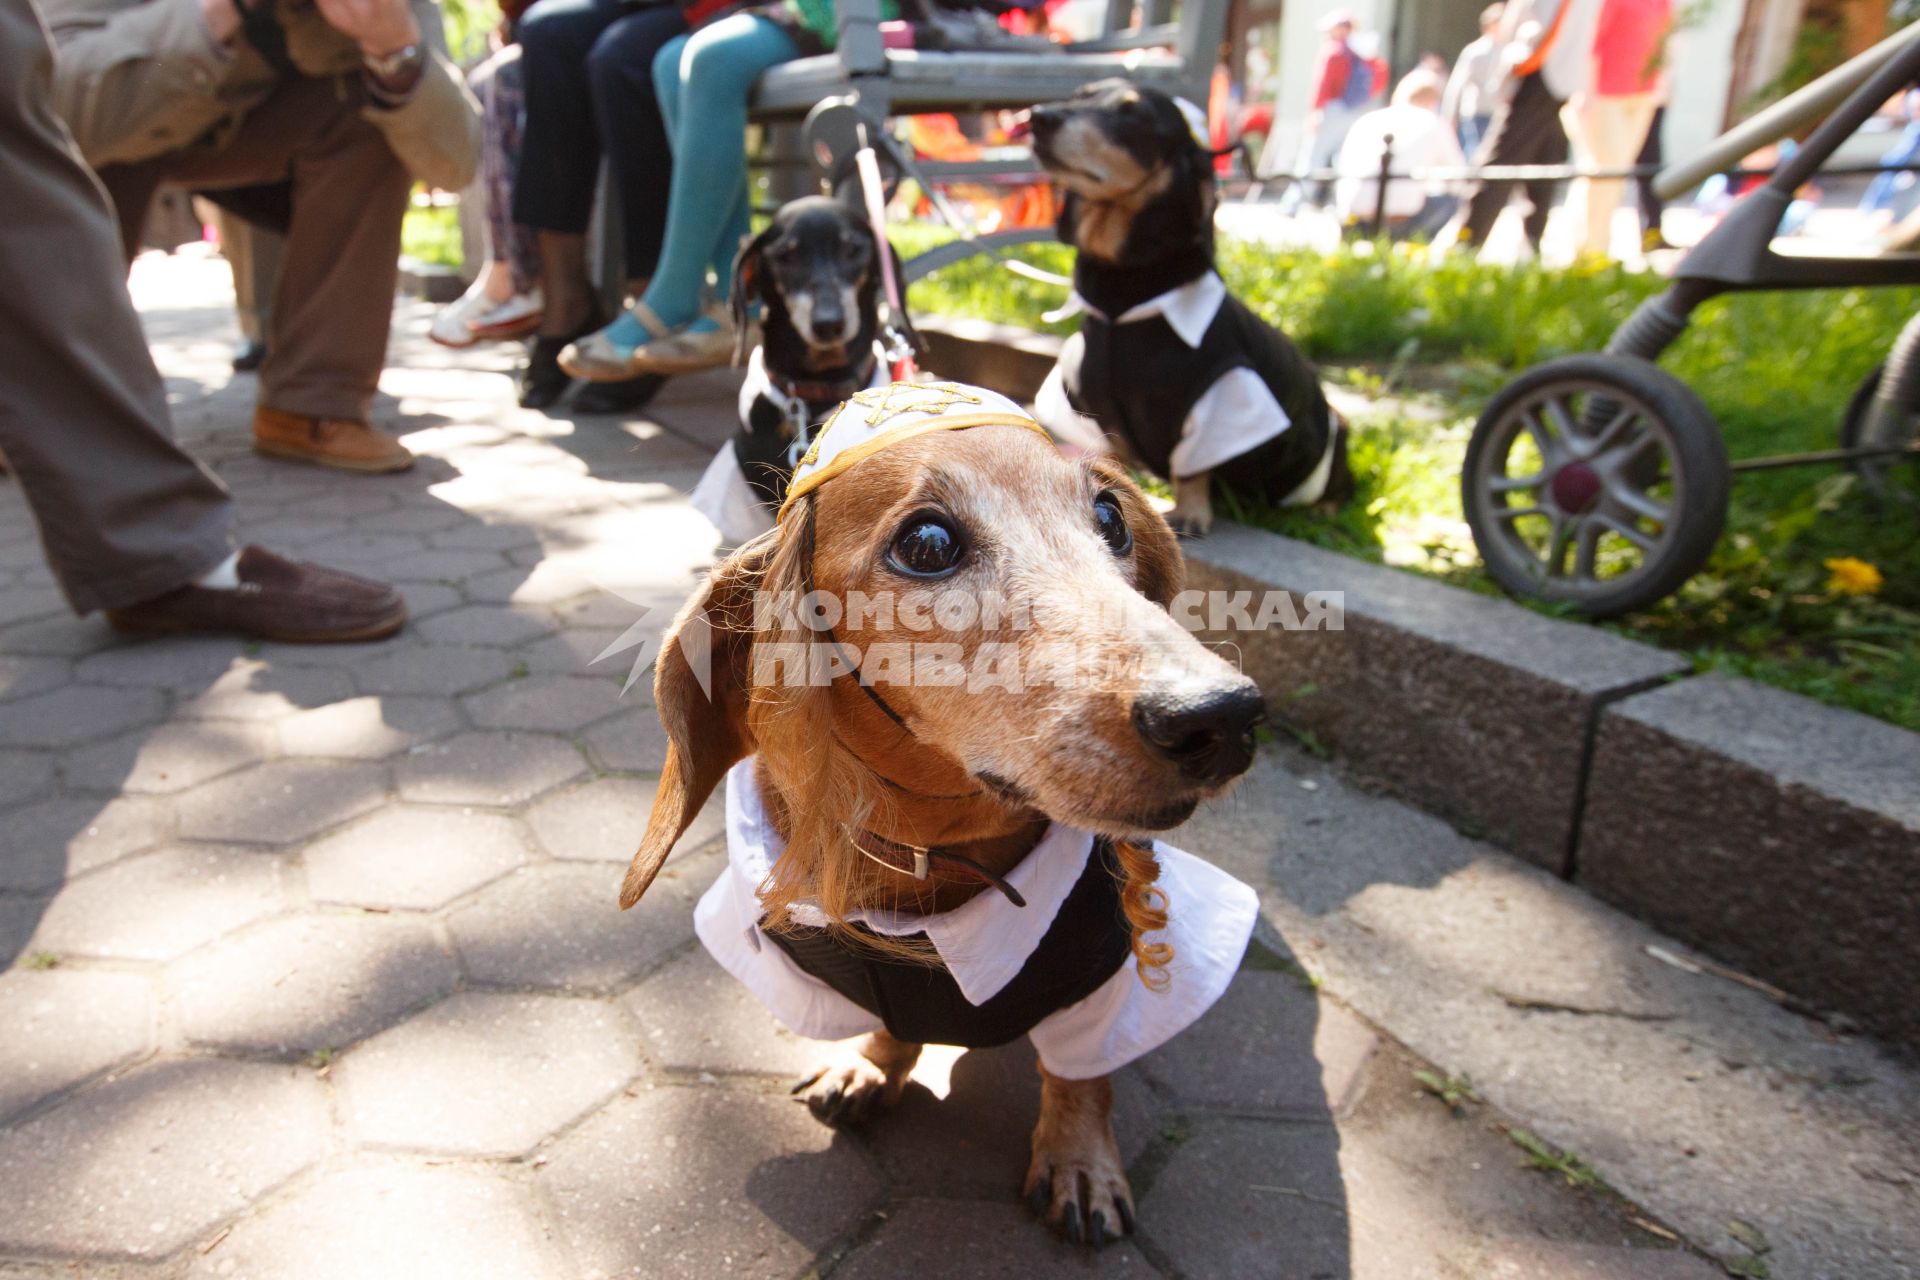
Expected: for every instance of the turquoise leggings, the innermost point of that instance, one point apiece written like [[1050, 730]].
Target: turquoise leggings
[[703, 80]]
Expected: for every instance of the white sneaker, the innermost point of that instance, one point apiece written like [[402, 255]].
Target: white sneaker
[[453, 327], [515, 318]]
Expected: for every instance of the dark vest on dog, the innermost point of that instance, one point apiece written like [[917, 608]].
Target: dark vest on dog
[[1140, 380], [922, 1004]]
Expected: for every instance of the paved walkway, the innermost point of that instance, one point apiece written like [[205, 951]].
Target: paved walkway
[[315, 967]]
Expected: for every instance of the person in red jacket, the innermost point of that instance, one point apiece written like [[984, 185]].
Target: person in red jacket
[[1344, 85]]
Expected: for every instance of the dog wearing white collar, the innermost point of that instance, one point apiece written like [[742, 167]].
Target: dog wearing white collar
[[815, 271], [1169, 370], [949, 704]]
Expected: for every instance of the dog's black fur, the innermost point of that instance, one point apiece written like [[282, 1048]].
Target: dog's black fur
[[1139, 207], [816, 272]]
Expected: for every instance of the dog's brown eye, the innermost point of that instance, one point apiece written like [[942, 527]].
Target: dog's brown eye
[[927, 547], [1113, 525]]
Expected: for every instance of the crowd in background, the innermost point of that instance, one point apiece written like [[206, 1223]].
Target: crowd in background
[[1546, 82]]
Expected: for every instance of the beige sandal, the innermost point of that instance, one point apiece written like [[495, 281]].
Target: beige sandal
[[596, 358]]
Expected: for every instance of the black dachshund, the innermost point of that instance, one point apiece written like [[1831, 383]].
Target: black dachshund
[[816, 272], [1175, 373]]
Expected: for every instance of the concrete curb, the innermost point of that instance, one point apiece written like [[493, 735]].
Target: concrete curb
[[1440, 693], [1766, 828]]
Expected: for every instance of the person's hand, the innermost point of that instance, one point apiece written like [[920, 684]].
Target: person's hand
[[223, 20], [379, 27]]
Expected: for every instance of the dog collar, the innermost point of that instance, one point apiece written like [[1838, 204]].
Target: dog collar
[[919, 860], [816, 390], [872, 420]]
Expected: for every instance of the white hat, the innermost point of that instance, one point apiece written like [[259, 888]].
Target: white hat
[[882, 416]]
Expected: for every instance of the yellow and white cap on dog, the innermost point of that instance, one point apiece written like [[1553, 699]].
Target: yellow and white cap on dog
[[883, 416]]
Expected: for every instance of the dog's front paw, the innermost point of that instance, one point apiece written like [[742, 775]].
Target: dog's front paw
[[1078, 1184], [864, 1075], [1192, 514]]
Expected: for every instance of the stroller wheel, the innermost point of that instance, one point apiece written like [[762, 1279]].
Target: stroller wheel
[[1597, 482], [1893, 481]]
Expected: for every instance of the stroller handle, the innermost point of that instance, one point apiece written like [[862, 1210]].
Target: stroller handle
[[1786, 116]]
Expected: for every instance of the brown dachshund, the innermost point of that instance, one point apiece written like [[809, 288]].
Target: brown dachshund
[[947, 698]]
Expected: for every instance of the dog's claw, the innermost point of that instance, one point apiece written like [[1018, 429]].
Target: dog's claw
[[1098, 1232], [1040, 1194], [848, 1090], [1124, 1207]]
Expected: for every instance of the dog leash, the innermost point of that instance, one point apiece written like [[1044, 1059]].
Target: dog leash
[[900, 353], [799, 392]]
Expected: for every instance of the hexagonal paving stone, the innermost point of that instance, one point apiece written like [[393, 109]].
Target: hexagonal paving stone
[[701, 1182], [181, 663], [438, 669], [636, 742], [441, 566], [997, 1237], [602, 820], [484, 1074], [161, 905], [169, 757], [42, 844], [77, 713], [561, 926], [24, 775], [695, 1016], [491, 768], [366, 728], [252, 690], [65, 1025], [368, 1222], [978, 1109], [281, 802], [309, 982], [1212, 1205], [488, 625], [1268, 1045], [417, 859], [573, 653], [544, 702], [24, 677], [158, 1158]]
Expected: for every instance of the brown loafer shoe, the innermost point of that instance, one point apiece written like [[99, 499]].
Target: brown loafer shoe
[[330, 442], [277, 599]]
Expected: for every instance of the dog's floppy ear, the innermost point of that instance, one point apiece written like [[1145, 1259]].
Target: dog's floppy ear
[[700, 686], [748, 268], [1160, 571]]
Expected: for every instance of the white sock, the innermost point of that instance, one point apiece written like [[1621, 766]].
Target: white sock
[[224, 576]]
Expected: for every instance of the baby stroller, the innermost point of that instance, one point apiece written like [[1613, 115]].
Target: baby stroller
[[1600, 482]]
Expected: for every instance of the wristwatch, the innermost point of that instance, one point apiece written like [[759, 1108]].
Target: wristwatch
[[397, 67]]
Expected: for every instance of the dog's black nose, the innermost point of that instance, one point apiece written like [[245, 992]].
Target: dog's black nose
[[1208, 733], [829, 317], [1046, 121]]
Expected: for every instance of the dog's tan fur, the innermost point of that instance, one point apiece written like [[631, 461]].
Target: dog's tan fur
[[1069, 754]]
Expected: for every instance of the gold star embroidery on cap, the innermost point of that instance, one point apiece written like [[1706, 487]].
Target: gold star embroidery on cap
[[897, 398]]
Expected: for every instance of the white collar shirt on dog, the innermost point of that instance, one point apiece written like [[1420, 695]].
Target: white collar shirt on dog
[[723, 494], [986, 941], [1236, 414]]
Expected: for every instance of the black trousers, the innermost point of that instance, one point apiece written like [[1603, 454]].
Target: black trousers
[[589, 85], [1526, 129], [1651, 206]]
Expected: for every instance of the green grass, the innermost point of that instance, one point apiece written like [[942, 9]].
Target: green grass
[[1776, 370], [430, 233]]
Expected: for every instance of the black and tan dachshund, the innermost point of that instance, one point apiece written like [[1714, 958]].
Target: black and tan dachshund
[[815, 271], [1176, 374]]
